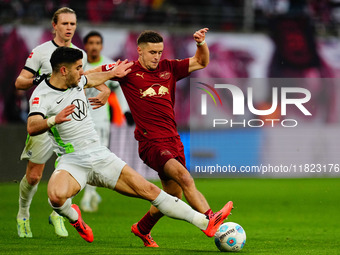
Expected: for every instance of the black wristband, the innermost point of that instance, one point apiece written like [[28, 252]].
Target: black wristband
[[39, 78]]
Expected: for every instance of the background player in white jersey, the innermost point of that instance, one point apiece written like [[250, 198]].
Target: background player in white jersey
[[38, 149], [59, 105], [93, 45]]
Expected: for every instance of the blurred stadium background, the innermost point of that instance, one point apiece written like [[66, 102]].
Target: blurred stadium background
[[255, 39]]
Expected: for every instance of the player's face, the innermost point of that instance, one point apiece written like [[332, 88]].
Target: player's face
[[93, 47], [75, 71], [150, 54], [66, 26]]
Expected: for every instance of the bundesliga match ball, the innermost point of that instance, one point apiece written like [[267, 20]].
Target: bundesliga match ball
[[230, 237]]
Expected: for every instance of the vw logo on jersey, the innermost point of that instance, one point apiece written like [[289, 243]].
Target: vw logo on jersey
[[80, 112]]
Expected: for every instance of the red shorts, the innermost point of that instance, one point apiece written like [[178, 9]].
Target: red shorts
[[155, 153]]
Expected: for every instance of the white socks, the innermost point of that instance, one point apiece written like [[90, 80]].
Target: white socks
[[174, 207], [66, 210], [26, 193]]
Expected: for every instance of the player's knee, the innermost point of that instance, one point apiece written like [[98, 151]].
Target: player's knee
[[57, 199], [34, 173], [33, 178]]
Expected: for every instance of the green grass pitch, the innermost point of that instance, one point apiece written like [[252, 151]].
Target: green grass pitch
[[280, 216]]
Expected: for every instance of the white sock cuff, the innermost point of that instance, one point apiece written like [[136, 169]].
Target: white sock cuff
[[68, 202], [161, 197], [66, 210], [24, 180], [25, 185]]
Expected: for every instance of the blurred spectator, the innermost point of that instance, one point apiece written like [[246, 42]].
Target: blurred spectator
[[320, 10], [99, 11], [12, 55]]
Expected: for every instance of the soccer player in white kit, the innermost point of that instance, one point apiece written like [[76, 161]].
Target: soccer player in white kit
[[93, 45], [59, 106], [38, 149]]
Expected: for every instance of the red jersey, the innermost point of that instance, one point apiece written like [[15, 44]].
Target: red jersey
[[151, 97]]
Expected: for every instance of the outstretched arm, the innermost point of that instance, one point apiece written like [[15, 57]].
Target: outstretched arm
[[121, 69], [201, 58], [37, 125], [102, 97], [94, 70]]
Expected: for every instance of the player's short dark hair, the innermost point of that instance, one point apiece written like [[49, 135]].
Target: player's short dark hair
[[90, 34], [64, 56], [148, 36], [61, 10]]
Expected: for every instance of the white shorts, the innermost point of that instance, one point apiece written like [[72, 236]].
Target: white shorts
[[96, 166], [38, 149]]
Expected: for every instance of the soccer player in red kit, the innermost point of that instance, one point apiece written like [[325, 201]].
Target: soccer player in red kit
[[150, 91]]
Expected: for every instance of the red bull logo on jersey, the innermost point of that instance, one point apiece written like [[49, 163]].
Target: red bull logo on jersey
[[155, 90], [31, 54]]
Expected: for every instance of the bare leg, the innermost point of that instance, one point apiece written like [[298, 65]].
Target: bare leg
[[170, 187], [61, 186], [180, 180], [180, 175], [150, 219], [130, 183]]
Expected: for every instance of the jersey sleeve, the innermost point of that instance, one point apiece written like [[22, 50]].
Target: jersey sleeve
[[180, 68], [33, 62], [109, 67], [38, 105]]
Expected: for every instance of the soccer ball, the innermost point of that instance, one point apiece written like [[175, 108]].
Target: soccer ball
[[230, 237]]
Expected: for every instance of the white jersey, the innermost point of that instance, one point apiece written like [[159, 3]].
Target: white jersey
[[70, 136], [38, 62], [101, 116]]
